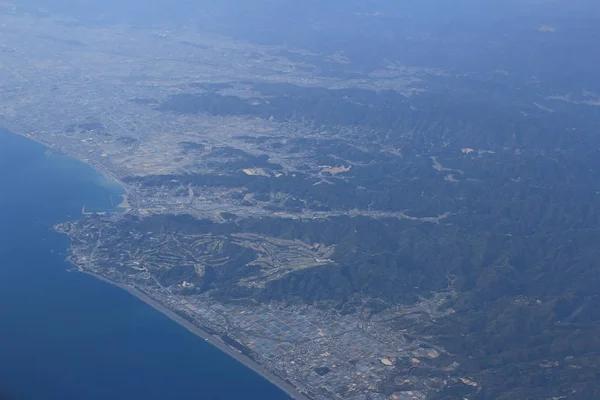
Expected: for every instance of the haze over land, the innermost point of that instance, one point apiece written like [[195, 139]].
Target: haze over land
[[384, 199]]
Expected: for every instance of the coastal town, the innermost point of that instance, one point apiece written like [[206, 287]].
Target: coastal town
[[323, 353]]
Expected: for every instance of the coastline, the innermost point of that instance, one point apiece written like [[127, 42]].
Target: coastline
[[283, 385], [125, 205], [286, 387]]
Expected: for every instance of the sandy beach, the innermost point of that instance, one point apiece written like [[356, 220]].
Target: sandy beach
[[213, 340]]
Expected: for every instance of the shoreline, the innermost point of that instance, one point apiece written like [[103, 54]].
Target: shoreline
[[123, 206], [284, 386]]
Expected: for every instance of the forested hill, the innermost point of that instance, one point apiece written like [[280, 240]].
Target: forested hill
[[518, 248]]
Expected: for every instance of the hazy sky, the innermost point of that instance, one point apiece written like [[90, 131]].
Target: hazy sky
[[532, 39]]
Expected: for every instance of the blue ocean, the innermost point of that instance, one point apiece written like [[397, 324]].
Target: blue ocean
[[65, 335]]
